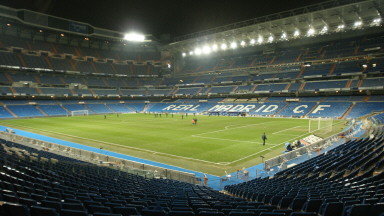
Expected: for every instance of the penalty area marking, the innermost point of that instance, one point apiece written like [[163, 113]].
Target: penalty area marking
[[223, 139], [267, 149], [285, 129], [227, 128]]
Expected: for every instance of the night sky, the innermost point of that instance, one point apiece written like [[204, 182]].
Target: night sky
[[174, 17]]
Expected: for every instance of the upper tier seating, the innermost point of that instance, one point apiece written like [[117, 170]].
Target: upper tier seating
[[7, 41], [188, 91], [221, 89]]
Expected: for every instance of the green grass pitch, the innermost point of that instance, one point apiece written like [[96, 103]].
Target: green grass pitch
[[214, 145]]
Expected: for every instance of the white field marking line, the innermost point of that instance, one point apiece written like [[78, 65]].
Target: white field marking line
[[227, 127], [230, 128], [283, 134], [228, 139], [153, 152], [285, 129], [265, 149], [270, 147]]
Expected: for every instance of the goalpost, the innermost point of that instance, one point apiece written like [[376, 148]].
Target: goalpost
[[79, 113], [320, 125]]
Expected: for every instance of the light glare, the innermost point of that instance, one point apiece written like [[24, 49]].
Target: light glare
[[233, 45], [215, 47], [253, 41], [341, 26], [358, 23], [270, 39], [243, 43], [324, 30], [296, 33], [197, 51], [184, 54], [260, 39], [284, 36], [223, 46], [311, 32], [135, 37], [206, 49], [376, 21]]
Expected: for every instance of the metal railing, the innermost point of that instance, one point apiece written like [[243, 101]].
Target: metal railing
[[314, 147], [128, 166]]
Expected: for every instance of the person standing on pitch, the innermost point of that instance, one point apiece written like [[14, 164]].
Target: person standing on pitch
[[264, 137]]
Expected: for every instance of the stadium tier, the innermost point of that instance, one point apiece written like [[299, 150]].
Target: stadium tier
[[312, 107], [289, 76], [346, 183]]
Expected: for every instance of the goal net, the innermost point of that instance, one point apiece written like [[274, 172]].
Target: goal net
[[320, 125], [79, 113]]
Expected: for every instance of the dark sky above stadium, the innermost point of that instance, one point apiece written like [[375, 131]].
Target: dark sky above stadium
[[157, 17]]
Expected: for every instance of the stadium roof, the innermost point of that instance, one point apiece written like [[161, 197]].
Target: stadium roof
[[47, 23], [323, 18]]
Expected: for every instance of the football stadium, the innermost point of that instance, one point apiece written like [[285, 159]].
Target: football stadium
[[278, 115]]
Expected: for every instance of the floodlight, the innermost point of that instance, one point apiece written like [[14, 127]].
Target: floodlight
[[206, 49], [296, 33], [183, 54], [357, 24], [243, 43], [252, 41], [284, 36], [169, 65], [234, 45], [376, 21], [191, 53], [215, 47], [311, 32], [374, 65], [197, 51], [134, 37], [223, 46], [365, 65], [260, 39], [324, 30], [342, 26], [270, 39]]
